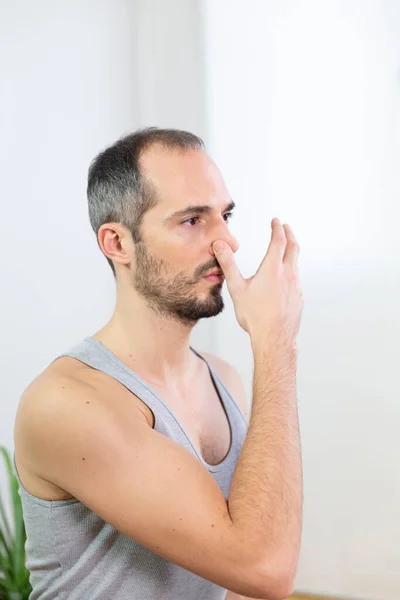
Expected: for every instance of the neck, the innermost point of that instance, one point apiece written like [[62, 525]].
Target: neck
[[154, 345]]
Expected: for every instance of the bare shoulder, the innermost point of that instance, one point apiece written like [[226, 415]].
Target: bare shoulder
[[66, 386], [55, 405], [74, 381], [63, 376], [36, 396], [231, 379]]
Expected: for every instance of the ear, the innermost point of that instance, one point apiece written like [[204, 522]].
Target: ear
[[115, 242]]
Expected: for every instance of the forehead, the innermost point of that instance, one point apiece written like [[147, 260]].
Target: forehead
[[183, 177]]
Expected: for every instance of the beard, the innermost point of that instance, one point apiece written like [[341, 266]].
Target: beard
[[173, 296]]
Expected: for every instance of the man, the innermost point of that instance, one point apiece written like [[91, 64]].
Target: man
[[141, 475]]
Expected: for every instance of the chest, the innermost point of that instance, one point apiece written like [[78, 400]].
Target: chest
[[203, 416]]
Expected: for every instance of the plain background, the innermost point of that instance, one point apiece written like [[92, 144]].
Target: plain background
[[299, 104]]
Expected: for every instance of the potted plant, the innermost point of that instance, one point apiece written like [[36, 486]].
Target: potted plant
[[14, 576]]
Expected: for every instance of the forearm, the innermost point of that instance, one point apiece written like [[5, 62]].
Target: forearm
[[233, 596], [265, 498]]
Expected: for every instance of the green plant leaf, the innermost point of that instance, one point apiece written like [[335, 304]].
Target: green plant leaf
[[4, 520], [11, 476], [14, 576], [6, 586], [16, 509], [6, 540], [6, 567], [5, 546]]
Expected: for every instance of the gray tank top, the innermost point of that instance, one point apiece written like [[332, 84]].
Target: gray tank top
[[73, 554]]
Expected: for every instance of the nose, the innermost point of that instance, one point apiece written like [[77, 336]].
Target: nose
[[226, 236]]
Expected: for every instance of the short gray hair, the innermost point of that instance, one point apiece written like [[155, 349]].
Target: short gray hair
[[117, 191]]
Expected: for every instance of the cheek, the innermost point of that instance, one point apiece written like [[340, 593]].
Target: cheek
[[186, 246], [186, 260], [185, 249]]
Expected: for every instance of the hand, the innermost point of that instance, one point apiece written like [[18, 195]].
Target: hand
[[270, 302]]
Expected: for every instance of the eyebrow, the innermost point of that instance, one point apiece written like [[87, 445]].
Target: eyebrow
[[196, 208]]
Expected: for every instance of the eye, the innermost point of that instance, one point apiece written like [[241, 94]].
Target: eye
[[193, 220], [189, 220]]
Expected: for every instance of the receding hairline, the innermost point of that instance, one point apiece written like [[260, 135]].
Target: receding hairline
[[148, 177], [157, 146]]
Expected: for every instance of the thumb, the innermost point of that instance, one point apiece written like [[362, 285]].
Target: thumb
[[226, 260]]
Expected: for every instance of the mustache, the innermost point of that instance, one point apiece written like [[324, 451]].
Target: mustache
[[205, 268]]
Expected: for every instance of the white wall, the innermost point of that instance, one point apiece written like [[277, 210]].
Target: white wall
[[304, 118], [302, 115]]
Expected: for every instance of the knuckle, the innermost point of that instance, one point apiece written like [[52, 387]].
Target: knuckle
[[292, 274], [275, 269]]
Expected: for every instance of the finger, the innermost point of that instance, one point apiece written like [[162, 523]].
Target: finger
[[292, 249], [226, 260], [277, 245]]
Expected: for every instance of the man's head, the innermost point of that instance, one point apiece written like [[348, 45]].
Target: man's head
[[140, 191]]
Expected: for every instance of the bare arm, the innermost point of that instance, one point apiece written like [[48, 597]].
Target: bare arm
[[288, 469], [265, 497], [234, 596], [109, 458], [266, 489], [232, 380]]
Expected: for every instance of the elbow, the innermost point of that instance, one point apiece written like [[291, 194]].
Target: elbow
[[274, 577], [276, 591], [277, 586], [282, 590]]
